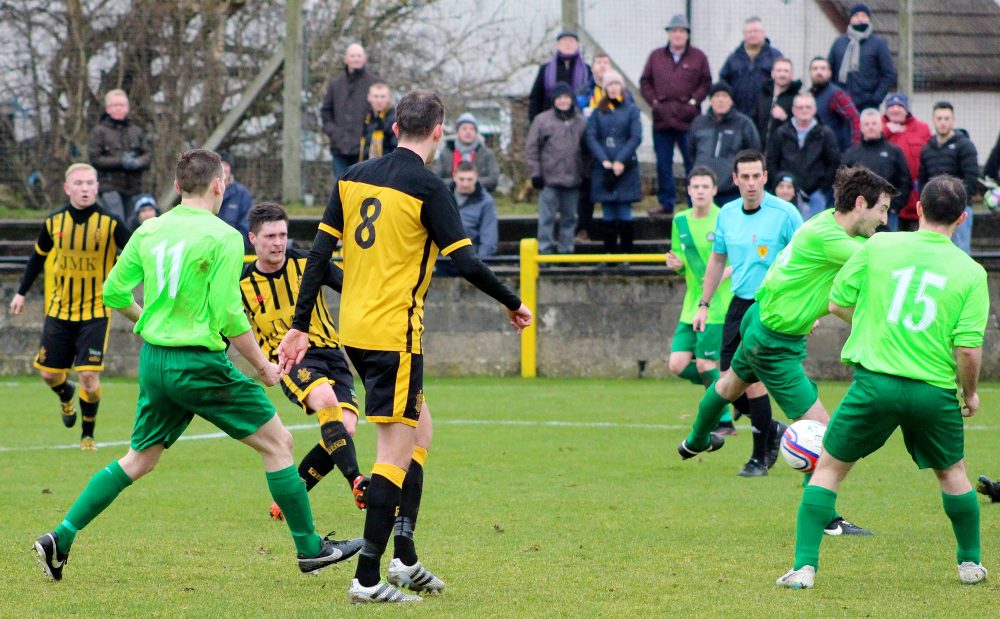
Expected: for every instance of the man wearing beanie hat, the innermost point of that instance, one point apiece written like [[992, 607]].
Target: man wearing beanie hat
[[467, 146], [717, 135], [567, 65], [861, 62], [674, 82], [904, 130], [555, 160]]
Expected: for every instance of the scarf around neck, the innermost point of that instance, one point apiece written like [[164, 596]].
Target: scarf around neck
[[579, 79], [852, 55]]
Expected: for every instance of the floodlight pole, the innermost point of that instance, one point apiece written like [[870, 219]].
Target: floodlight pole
[[905, 61], [291, 134]]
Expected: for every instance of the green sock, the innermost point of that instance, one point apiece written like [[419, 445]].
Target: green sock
[[103, 489], [707, 378], [963, 510], [289, 492], [815, 512], [805, 484], [690, 373], [709, 411]]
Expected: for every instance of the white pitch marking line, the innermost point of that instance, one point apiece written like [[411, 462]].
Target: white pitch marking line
[[446, 422]]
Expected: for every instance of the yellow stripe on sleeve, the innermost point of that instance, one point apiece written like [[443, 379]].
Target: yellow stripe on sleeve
[[330, 230], [454, 246]]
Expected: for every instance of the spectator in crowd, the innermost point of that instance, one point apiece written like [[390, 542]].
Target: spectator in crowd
[[885, 159], [587, 100], [377, 138], [478, 211], [950, 151], [787, 188], [567, 65], [717, 135], [834, 106], [344, 108], [236, 202], [861, 61], [613, 134], [589, 97], [992, 167], [468, 146], [120, 152], [905, 131], [553, 152], [748, 68], [774, 105], [808, 150], [143, 209], [674, 83]]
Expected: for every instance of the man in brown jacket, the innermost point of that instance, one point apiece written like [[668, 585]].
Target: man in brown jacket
[[344, 107], [120, 152], [674, 83]]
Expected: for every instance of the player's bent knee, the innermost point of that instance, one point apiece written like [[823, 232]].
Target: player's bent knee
[[705, 365], [52, 378], [90, 381]]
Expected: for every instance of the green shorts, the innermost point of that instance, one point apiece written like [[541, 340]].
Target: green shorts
[[775, 359], [177, 383], [705, 344], [875, 404]]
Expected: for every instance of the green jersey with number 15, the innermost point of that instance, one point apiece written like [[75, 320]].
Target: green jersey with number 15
[[189, 262], [917, 296]]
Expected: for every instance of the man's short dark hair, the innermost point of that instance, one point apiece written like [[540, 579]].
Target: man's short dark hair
[[784, 59], [466, 166], [601, 55], [944, 199], [749, 155], [702, 170], [855, 181], [943, 105], [418, 113], [196, 169], [815, 58], [265, 212]]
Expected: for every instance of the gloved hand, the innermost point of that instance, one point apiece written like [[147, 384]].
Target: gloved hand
[[130, 161], [537, 182]]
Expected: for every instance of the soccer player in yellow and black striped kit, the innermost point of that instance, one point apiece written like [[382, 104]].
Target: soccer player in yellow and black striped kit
[[321, 383], [394, 216], [80, 242]]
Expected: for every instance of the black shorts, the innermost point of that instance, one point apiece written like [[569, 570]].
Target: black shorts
[[321, 366], [731, 330], [394, 384], [73, 344]]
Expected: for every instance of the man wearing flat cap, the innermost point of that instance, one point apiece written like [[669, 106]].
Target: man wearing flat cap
[[567, 65], [674, 83], [861, 62]]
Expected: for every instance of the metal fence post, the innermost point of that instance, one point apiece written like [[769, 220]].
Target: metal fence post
[[529, 296]]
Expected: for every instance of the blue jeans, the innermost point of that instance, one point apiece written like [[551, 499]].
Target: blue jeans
[[617, 211], [819, 201], [663, 144], [557, 203], [963, 234], [341, 163]]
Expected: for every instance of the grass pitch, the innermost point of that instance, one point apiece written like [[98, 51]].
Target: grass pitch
[[543, 498]]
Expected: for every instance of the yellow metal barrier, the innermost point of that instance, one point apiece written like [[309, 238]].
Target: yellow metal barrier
[[530, 259]]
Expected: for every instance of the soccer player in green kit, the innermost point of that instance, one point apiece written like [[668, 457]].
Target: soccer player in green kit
[[791, 299], [694, 355], [915, 303], [189, 261]]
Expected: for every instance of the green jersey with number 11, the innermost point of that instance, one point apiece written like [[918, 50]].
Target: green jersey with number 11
[[189, 262], [917, 296]]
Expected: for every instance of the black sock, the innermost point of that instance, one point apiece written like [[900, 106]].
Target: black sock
[[315, 466], [64, 390], [88, 413], [742, 406], [383, 499], [340, 447], [409, 505], [760, 419]]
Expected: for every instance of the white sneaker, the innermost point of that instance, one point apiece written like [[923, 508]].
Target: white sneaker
[[381, 593], [414, 577], [798, 579], [971, 573]]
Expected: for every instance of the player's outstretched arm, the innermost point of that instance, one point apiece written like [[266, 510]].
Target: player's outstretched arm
[[247, 346], [844, 313], [291, 349], [969, 360], [479, 275]]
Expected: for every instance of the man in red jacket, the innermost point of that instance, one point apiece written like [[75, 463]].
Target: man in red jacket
[[905, 131], [674, 83]]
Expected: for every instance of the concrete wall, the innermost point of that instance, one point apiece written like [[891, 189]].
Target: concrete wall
[[588, 326]]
